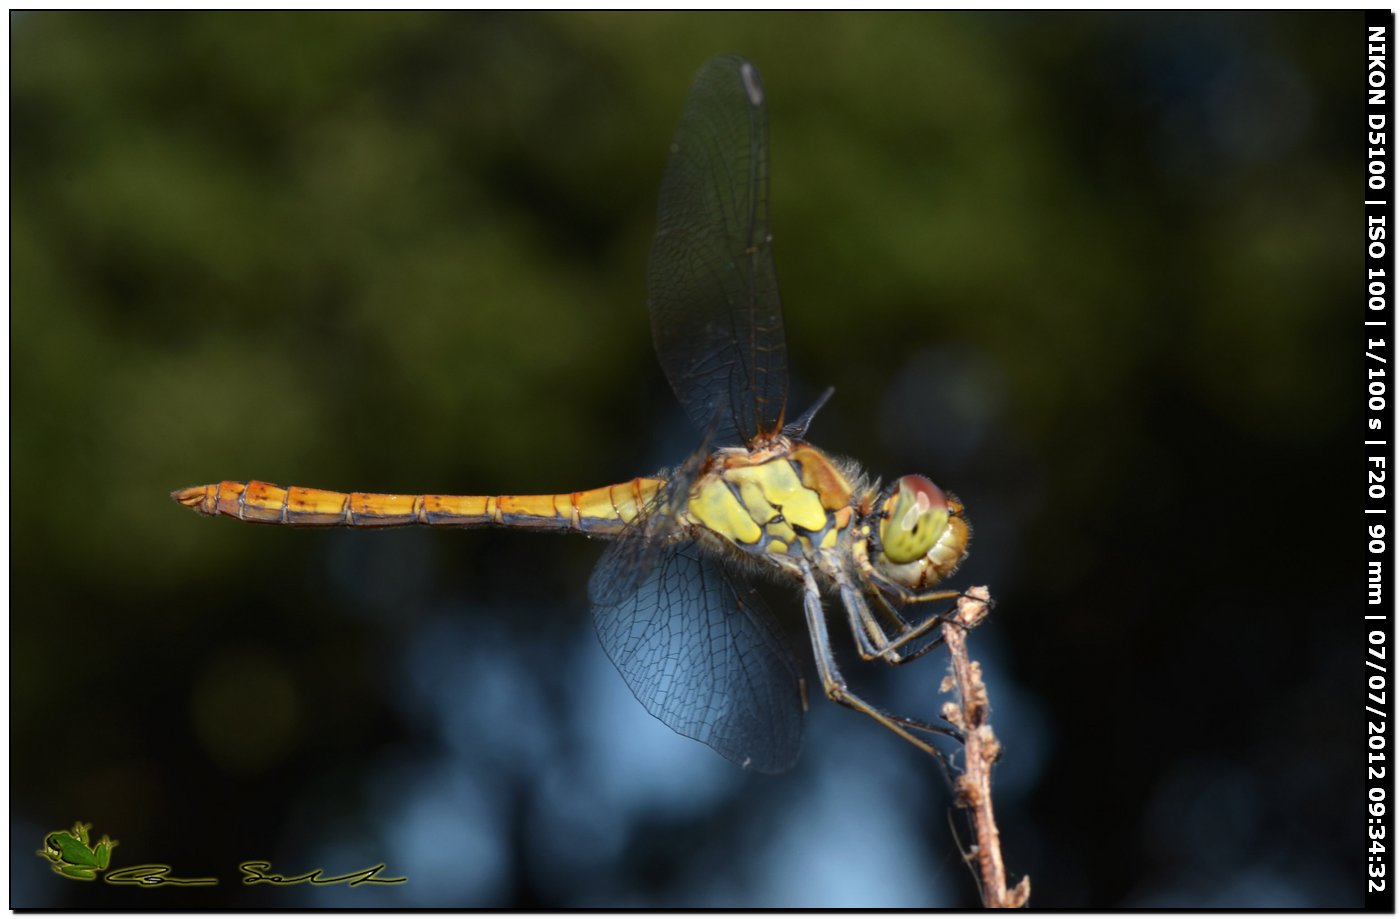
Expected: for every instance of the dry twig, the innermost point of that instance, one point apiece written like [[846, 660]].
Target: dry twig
[[974, 786]]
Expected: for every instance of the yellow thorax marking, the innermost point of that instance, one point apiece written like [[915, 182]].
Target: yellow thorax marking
[[746, 501], [716, 507], [780, 530], [751, 493], [779, 484]]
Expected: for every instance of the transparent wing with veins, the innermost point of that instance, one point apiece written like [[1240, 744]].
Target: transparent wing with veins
[[700, 650], [711, 287]]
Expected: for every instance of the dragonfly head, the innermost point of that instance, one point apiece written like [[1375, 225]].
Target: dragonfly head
[[923, 534]]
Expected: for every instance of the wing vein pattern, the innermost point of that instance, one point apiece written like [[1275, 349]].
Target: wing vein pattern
[[712, 289], [699, 648]]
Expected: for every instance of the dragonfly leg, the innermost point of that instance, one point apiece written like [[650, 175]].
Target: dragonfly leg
[[872, 640], [870, 637], [835, 686], [927, 728], [912, 631]]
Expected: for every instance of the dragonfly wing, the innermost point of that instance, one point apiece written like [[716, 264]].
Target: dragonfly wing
[[632, 554], [700, 649], [716, 318]]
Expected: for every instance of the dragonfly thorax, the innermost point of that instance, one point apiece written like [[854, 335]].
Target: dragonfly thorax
[[786, 500]]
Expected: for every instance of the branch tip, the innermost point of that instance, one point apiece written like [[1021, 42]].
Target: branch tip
[[973, 789]]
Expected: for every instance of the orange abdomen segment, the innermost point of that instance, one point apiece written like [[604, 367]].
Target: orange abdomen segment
[[602, 511]]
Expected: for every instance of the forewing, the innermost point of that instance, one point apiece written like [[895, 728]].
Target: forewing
[[713, 294], [699, 648]]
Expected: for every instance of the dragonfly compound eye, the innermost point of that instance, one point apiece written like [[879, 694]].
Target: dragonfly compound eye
[[916, 515]]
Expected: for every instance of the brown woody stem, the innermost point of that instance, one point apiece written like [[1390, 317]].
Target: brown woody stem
[[974, 786]]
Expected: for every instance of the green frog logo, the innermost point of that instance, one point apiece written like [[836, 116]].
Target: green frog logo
[[73, 857]]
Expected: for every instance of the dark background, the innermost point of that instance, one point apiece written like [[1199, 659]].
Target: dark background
[[1095, 273]]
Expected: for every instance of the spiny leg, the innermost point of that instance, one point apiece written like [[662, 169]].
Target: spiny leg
[[911, 632], [832, 682], [858, 613], [891, 592], [871, 639]]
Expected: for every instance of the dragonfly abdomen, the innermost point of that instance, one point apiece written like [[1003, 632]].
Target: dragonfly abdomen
[[598, 511]]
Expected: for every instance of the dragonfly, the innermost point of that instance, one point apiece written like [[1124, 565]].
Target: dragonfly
[[673, 596]]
